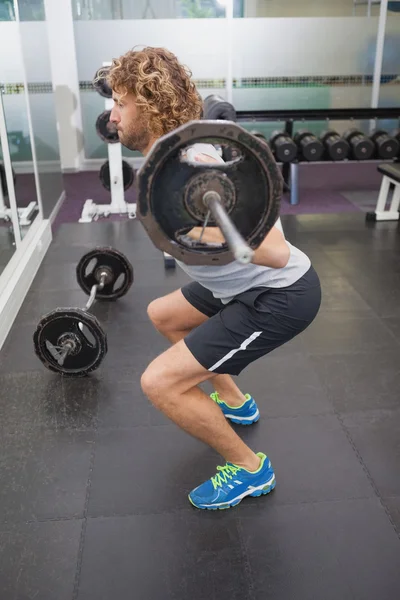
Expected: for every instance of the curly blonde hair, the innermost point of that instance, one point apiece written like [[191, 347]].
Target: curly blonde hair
[[161, 85]]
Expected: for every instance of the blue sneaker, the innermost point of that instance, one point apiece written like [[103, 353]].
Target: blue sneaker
[[246, 414], [232, 483]]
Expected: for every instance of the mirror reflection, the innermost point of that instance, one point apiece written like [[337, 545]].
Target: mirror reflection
[[7, 240]]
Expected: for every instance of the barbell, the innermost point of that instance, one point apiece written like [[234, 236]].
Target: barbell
[[241, 197], [71, 341]]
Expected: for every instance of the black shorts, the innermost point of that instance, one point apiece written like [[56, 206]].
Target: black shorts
[[252, 324]]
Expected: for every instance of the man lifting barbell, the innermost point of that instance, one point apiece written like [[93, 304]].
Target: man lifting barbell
[[234, 312]]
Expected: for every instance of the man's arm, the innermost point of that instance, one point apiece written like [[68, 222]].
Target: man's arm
[[273, 252]]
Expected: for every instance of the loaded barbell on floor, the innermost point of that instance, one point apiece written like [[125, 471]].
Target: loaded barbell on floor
[[242, 197], [71, 341]]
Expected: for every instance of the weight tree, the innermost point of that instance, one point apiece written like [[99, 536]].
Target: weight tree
[[116, 175]]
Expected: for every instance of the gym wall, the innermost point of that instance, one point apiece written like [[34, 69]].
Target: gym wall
[[37, 66], [277, 63]]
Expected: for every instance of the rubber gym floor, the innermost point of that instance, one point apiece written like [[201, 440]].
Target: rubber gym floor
[[94, 481]]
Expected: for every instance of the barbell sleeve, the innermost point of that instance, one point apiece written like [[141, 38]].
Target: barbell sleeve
[[97, 287], [240, 249]]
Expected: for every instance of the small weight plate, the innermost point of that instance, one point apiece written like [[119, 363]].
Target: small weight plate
[[115, 264], [100, 84], [73, 329], [128, 175], [106, 130]]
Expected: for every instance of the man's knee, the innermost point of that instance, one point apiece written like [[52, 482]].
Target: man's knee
[[157, 314], [155, 385]]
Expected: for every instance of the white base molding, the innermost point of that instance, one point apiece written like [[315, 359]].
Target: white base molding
[[17, 277]]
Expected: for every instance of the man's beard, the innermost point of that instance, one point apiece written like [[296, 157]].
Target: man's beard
[[138, 138]]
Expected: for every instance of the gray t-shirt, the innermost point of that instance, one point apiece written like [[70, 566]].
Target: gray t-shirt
[[227, 281]]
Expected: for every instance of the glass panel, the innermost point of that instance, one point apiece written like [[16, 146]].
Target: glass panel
[[207, 61], [85, 10], [310, 66], [29, 10], [35, 51], [16, 116], [390, 83], [7, 239], [310, 8]]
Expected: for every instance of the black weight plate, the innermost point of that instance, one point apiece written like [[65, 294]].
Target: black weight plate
[[338, 149], [254, 181], [73, 326], [118, 267], [106, 130], [230, 152], [312, 150], [100, 84], [363, 149], [389, 148], [259, 135], [128, 175], [396, 134], [216, 108], [3, 180]]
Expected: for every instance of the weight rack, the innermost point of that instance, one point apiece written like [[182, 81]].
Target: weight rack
[[290, 171]]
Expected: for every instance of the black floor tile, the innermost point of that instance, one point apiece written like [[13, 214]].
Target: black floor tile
[[66, 253], [381, 292], [153, 273], [147, 470], [376, 435], [133, 306], [101, 233], [43, 474], [269, 382], [133, 342], [330, 550], [338, 295], [17, 353], [320, 261], [43, 399], [338, 222], [360, 381], [121, 403], [37, 304], [312, 458], [358, 263], [54, 278], [39, 560], [393, 506], [346, 333], [393, 324], [166, 557]]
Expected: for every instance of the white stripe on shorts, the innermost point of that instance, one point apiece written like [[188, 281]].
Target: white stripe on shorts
[[242, 346]]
